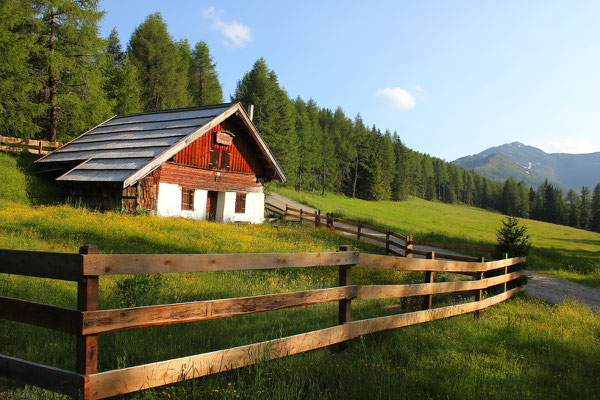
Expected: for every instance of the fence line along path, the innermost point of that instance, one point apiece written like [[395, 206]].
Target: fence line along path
[[20, 145], [87, 321], [394, 243]]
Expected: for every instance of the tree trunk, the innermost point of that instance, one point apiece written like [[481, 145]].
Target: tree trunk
[[52, 82], [355, 178]]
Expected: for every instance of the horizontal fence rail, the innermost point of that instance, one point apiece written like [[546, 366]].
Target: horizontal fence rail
[[392, 246], [86, 322], [20, 145]]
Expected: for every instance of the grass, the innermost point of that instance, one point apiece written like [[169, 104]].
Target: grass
[[518, 349], [557, 250]]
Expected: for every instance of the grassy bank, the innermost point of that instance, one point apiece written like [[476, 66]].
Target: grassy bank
[[557, 250], [518, 349]]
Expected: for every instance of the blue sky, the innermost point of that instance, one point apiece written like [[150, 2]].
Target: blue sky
[[452, 78]]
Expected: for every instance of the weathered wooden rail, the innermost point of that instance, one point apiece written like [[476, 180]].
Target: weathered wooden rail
[[391, 246], [86, 322], [20, 145]]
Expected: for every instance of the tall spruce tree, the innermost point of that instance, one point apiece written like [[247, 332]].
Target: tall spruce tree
[[574, 204], [121, 83], [586, 208], [18, 80], [274, 113], [325, 162], [204, 85], [342, 137], [595, 224], [70, 56], [159, 61]]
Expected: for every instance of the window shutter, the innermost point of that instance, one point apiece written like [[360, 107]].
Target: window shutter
[[214, 158], [240, 203], [224, 159], [187, 199]]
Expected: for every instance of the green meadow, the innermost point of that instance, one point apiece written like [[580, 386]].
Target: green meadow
[[522, 348], [558, 250]]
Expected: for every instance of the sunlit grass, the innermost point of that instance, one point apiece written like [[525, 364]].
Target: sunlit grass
[[555, 247]]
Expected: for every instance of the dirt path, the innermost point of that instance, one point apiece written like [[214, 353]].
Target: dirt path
[[555, 290], [551, 290]]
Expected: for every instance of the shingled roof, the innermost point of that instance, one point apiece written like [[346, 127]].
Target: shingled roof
[[127, 148]]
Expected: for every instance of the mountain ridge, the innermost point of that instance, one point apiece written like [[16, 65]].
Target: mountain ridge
[[534, 166]]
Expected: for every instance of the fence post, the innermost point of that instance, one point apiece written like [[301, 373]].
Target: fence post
[[87, 300], [479, 293], [358, 230], [318, 218], [300, 216], [286, 213], [387, 242], [345, 279], [428, 299], [409, 247], [40, 147], [505, 271]]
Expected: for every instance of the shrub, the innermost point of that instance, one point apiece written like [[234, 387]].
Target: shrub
[[512, 239]]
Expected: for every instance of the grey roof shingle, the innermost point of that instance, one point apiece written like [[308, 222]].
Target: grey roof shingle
[[122, 145], [126, 148]]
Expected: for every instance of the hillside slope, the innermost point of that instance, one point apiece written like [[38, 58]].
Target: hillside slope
[[557, 249], [534, 166]]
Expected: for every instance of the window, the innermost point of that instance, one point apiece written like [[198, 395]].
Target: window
[[187, 199], [240, 203]]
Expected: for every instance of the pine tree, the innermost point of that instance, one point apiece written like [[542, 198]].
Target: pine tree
[[204, 83], [158, 60], [70, 57], [121, 83], [388, 164], [274, 113], [342, 136], [574, 204], [595, 224], [512, 239], [306, 141], [586, 208], [325, 162], [400, 184], [17, 78]]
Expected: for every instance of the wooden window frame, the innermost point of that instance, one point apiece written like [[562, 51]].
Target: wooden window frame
[[240, 203], [189, 204]]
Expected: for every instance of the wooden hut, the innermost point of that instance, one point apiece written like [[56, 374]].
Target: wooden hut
[[202, 162]]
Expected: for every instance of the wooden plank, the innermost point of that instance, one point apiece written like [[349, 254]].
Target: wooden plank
[[374, 228], [62, 266], [339, 228], [418, 252], [370, 292], [107, 264], [292, 209], [115, 382], [454, 246], [373, 237], [396, 244], [87, 300], [39, 314], [456, 257], [416, 264], [398, 236], [394, 252], [55, 379], [22, 150], [126, 318], [344, 222], [29, 142]]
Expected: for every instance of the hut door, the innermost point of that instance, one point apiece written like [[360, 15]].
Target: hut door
[[211, 206]]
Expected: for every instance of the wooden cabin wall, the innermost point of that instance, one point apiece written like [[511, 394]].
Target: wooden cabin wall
[[243, 157], [199, 178], [143, 195]]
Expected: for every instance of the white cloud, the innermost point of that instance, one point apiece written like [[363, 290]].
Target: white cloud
[[568, 146], [397, 98], [236, 33]]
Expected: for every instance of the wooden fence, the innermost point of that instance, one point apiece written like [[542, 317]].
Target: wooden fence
[[86, 322], [19, 145], [387, 239]]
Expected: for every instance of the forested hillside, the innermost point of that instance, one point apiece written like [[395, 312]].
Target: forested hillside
[[60, 78]]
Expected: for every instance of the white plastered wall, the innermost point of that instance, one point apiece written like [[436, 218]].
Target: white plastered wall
[[169, 202], [255, 208]]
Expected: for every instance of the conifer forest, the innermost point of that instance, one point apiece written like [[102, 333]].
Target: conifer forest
[[59, 78]]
